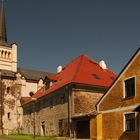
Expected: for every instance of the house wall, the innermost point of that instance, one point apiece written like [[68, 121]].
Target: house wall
[[55, 117], [93, 128], [50, 111], [113, 127], [84, 102], [114, 106], [116, 93]]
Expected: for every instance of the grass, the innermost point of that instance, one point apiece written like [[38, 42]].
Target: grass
[[27, 137]]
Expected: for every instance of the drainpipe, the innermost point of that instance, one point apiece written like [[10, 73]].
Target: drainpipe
[[69, 112]]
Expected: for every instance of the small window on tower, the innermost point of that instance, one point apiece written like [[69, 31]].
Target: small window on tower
[[9, 115], [8, 90]]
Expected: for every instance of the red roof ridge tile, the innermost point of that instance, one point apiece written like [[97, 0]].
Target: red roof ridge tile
[[78, 65]]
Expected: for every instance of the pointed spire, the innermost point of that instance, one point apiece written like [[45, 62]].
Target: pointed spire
[[3, 34]]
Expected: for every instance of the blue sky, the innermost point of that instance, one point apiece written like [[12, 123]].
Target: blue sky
[[53, 32]]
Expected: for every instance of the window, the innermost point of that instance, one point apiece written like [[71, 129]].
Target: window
[[8, 115], [96, 76], [129, 87], [8, 90], [130, 122]]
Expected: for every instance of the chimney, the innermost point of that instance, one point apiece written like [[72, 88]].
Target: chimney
[[102, 64], [59, 69]]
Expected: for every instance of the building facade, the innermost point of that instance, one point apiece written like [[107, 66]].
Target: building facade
[[64, 106], [119, 117]]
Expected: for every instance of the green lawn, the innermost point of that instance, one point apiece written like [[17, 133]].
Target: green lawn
[[26, 137]]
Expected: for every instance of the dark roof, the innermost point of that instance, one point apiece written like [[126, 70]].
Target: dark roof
[[7, 73], [27, 73], [32, 74]]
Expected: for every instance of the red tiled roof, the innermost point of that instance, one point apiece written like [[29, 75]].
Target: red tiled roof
[[80, 70]]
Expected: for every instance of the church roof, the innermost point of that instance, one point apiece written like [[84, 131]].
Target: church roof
[[32, 74], [29, 74], [6, 73], [81, 70]]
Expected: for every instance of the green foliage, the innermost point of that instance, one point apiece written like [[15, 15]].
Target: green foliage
[[27, 137]]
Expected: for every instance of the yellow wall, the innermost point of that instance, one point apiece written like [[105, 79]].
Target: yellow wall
[[114, 106]]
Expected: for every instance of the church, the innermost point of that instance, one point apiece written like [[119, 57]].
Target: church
[[16, 84]]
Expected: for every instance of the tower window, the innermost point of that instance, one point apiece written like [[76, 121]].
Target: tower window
[[9, 115], [8, 90]]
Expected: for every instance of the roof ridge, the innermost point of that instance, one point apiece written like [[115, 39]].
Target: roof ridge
[[90, 58], [78, 67]]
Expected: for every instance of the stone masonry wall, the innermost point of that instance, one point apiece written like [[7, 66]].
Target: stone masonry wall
[[84, 102], [50, 112], [12, 112]]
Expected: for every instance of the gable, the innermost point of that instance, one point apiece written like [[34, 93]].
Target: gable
[[114, 96]]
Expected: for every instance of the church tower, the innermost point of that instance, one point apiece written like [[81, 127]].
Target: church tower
[[8, 53]]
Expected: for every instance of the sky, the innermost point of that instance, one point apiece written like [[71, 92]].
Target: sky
[[54, 32]]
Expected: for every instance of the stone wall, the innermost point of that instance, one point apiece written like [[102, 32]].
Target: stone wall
[[12, 111], [84, 101], [51, 113]]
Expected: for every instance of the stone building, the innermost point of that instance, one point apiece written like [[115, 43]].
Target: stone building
[[15, 83], [119, 117], [64, 105]]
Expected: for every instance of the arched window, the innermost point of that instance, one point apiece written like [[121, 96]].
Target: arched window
[[8, 90]]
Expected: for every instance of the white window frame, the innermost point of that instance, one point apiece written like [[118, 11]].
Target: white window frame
[[124, 120], [124, 86]]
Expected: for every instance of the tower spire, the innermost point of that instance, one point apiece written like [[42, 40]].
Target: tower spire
[[3, 34]]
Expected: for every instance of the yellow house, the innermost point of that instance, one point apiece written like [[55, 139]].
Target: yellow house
[[118, 110]]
